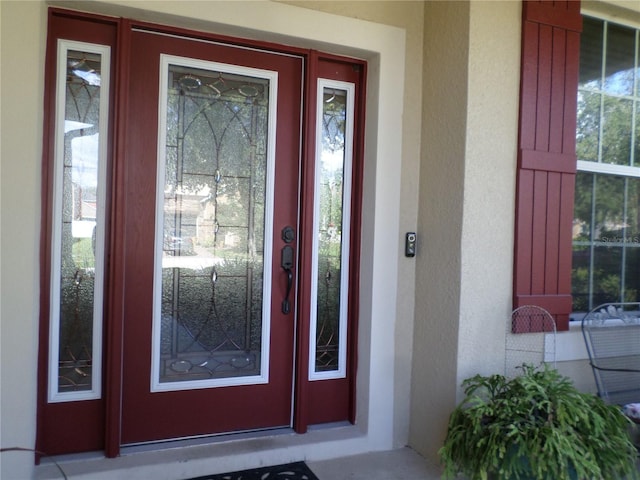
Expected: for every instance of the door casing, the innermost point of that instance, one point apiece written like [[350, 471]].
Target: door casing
[[105, 415]]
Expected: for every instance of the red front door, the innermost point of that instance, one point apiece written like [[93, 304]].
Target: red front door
[[212, 168], [217, 259]]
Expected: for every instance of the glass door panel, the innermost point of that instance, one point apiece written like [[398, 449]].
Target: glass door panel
[[211, 326]]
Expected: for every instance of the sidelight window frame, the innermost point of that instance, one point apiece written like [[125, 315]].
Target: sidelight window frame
[[95, 392], [347, 176]]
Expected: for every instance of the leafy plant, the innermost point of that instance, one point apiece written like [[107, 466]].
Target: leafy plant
[[536, 426]]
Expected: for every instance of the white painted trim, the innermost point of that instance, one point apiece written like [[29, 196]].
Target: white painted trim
[[54, 396], [608, 168], [570, 344], [341, 372], [263, 377], [599, 12]]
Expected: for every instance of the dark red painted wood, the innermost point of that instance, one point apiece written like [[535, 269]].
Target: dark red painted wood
[[334, 400], [356, 237], [115, 287], [553, 231], [563, 14], [100, 422], [148, 416], [557, 91], [305, 246], [546, 156], [65, 427]]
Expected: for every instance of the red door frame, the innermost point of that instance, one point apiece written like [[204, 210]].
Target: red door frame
[[53, 419], [105, 415], [332, 400]]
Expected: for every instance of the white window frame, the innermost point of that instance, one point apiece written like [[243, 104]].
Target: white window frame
[[54, 395], [263, 377], [341, 371], [599, 167]]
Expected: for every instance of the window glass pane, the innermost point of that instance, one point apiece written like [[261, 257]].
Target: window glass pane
[[609, 220], [616, 131], [588, 126], [607, 270], [330, 190], [606, 213], [633, 208], [583, 206], [331, 229], [606, 240], [580, 277], [77, 246], [632, 271], [619, 65], [591, 53], [636, 152]]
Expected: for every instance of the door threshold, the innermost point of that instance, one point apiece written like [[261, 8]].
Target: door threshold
[[202, 440]]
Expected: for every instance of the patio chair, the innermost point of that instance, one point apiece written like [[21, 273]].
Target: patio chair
[[530, 338], [612, 336]]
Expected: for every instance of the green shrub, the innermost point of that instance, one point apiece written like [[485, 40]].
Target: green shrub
[[536, 426]]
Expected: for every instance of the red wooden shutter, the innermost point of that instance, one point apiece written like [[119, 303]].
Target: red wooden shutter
[[547, 156]]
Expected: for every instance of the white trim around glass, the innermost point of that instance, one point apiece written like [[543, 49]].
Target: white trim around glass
[[334, 157], [271, 81], [77, 244]]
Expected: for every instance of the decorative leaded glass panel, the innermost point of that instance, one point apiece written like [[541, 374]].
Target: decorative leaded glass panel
[[212, 226], [331, 241], [79, 197]]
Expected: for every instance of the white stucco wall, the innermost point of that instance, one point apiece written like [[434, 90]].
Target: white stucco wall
[[489, 186], [467, 203], [435, 344], [23, 40], [22, 54], [467, 178]]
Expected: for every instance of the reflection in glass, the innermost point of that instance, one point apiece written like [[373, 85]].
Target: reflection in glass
[[606, 240], [606, 233], [619, 66], [77, 265], [333, 174], [213, 221], [616, 131], [591, 53], [606, 95], [588, 126], [636, 148]]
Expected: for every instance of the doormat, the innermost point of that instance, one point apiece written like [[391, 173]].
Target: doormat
[[289, 471]]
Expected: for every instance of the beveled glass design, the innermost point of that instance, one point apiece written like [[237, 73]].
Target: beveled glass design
[[331, 229], [78, 222], [212, 221]]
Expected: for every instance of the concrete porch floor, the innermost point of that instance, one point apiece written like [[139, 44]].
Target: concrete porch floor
[[401, 464]]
